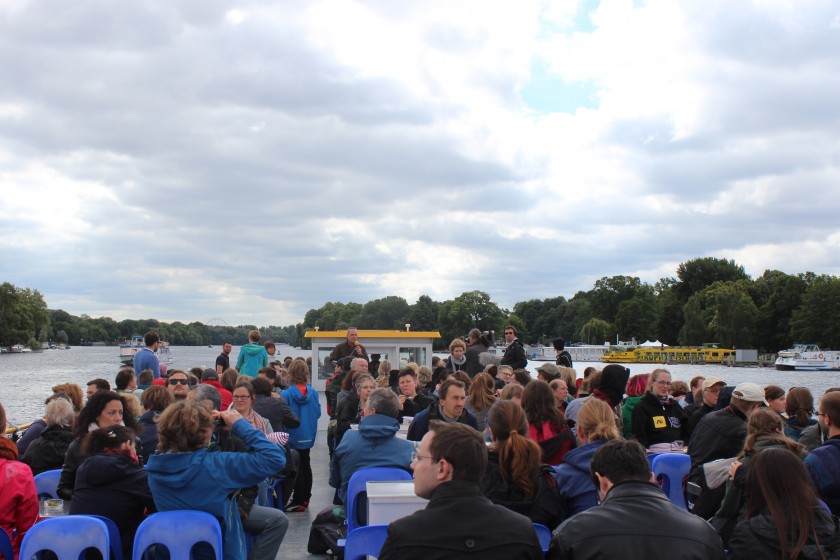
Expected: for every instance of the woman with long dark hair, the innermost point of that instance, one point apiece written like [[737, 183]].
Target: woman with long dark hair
[[111, 482], [103, 410], [514, 477], [784, 520], [482, 395], [546, 424], [800, 411]]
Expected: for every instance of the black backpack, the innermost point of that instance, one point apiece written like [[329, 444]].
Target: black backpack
[[327, 528]]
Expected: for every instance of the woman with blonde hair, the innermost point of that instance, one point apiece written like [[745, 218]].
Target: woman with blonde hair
[[481, 398], [457, 361], [514, 477], [595, 426]]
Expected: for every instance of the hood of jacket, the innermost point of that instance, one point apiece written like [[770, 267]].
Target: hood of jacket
[[103, 469], [580, 457], [252, 349], [294, 395], [378, 426]]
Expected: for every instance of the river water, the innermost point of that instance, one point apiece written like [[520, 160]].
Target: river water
[[26, 379]]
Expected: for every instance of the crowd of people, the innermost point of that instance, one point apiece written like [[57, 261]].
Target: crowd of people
[[492, 448]]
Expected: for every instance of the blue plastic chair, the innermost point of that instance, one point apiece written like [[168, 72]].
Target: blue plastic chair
[[178, 531], [67, 536], [113, 535], [6, 549], [357, 490], [670, 470], [46, 483], [365, 541], [544, 535]]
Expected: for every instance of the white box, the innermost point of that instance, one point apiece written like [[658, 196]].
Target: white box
[[391, 500]]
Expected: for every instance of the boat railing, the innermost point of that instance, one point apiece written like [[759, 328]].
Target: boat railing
[[12, 430]]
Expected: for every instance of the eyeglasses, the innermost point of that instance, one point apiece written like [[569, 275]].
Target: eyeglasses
[[177, 381], [241, 397], [416, 456]]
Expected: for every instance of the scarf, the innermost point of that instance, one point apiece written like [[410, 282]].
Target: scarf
[[8, 449], [256, 421], [457, 361]]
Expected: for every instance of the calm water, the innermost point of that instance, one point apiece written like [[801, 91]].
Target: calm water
[[26, 379]]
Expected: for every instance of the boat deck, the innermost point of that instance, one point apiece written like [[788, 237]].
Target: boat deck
[[297, 537]]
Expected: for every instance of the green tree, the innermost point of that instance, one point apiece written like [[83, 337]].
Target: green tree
[[608, 294], [23, 315], [815, 321], [723, 313], [384, 313], [423, 315], [697, 274], [636, 317], [778, 296], [596, 331], [469, 310]]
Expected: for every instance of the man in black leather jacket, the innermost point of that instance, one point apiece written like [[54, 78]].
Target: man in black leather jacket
[[635, 518], [515, 352]]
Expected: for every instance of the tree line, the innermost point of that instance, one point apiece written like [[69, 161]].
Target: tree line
[[709, 300]]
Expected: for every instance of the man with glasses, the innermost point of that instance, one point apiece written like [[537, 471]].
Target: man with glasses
[[823, 463], [458, 521], [178, 384], [514, 352], [710, 391]]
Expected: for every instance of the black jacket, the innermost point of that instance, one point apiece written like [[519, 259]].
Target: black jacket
[[515, 355], [148, 435], [543, 508], [719, 435], [756, 539], [459, 522], [347, 413], [635, 520], [72, 459], [473, 354], [113, 486], [413, 407], [420, 425], [47, 452], [694, 417], [655, 423], [277, 412]]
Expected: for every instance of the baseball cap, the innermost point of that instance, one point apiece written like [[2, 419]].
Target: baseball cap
[[749, 392], [711, 381], [549, 368]]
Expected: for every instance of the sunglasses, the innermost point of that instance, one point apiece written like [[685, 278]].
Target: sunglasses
[[181, 381]]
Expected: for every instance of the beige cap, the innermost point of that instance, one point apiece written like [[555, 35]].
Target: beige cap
[[711, 381], [749, 392]]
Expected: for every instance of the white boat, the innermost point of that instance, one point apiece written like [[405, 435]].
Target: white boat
[[579, 353], [807, 357], [20, 349], [131, 347]]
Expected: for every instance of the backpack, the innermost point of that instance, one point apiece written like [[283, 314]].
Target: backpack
[[327, 528]]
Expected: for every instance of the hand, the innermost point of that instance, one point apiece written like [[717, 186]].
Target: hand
[[229, 416], [733, 468], [401, 398]]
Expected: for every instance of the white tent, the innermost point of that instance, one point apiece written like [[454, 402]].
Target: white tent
[[654, 344]]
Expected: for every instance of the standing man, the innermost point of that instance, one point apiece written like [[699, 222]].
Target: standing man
[[349, 347], [223, 359], [146, 358], [458, 522], [563, 357], [515, 352], [635, 519]]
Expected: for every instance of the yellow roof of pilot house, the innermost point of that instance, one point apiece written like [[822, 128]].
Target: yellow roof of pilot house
[[372, 334]]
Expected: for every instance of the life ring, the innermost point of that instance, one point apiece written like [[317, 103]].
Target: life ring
[[821, 356]]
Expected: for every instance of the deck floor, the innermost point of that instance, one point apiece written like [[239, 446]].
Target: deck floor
[[294, 545]]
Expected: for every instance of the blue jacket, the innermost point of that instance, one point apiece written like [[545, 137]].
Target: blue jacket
[[374, 444], [146, 359], [308, 409], [793, 429], [251, 358], [577, 493], [205, 481], [824, 467], [420, 425]]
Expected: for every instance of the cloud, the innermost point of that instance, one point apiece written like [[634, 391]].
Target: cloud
[[191, 160]]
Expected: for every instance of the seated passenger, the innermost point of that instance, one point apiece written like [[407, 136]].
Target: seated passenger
[[272, 406], [69, 391], [47, 452], [102, 410], [657, 418], [481, 398], [824, 462], [458, 522], [185, 474], [546, 424], [349, 409], [155, 400], [784, 517], [514, 477], [635, 390], [800, 411], [450, 408], [18, 497], [595, 426], [411, 402], [111, 482], [374, 444]]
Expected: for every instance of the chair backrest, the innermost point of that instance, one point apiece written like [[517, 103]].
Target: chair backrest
[[113, 535], [46, 483], [178, 530], [67, 536], [544, 535], [357, 490], [6, 550], [670, 470], [365, 541]]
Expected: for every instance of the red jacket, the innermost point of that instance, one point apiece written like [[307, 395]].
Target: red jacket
[[554, 444], [227, 396], [18, 500]]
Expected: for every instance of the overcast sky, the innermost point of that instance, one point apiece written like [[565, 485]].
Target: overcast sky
[[186, 160]]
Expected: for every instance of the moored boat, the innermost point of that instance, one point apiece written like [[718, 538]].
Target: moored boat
[[807, 357], [706, 354], [130, 347], [579, 353]]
